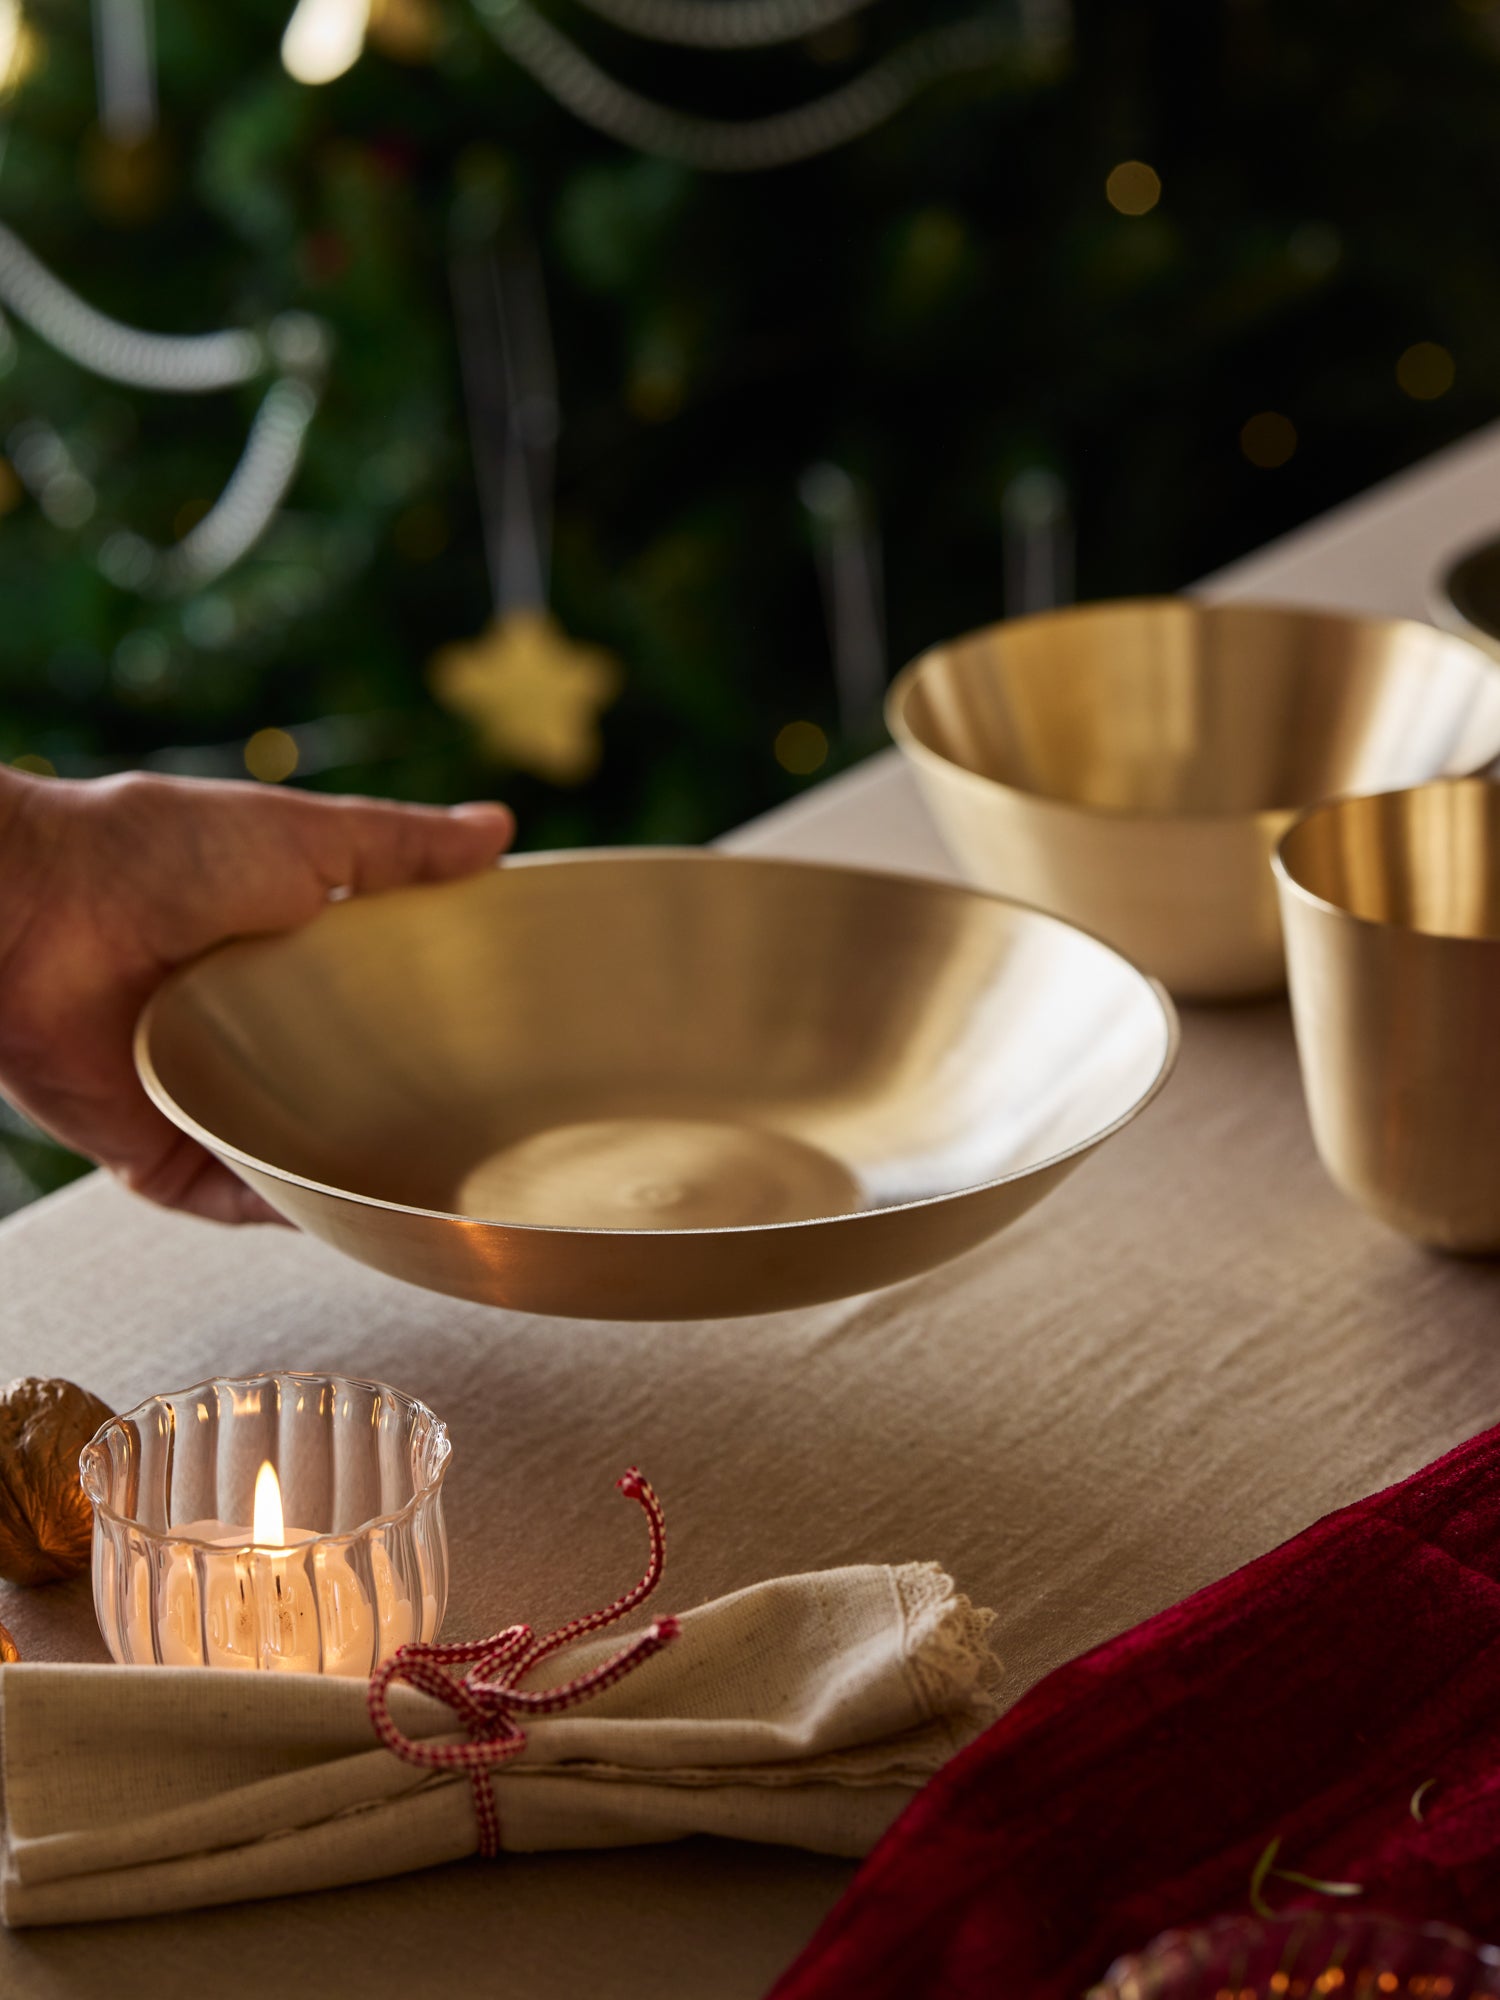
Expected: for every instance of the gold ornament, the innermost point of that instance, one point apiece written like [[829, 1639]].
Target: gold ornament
[[534, 695], [46, 1523]]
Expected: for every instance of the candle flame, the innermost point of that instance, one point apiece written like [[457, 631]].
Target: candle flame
[[270, 1525]]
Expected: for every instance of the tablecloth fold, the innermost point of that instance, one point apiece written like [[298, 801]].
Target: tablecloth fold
[[805, 1711]]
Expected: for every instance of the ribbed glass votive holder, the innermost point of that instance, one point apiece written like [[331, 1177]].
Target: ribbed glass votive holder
[[325, 1563]]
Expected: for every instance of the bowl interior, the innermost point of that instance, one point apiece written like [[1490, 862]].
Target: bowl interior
[[658, 1041], [1164, 706], [1427, 859]]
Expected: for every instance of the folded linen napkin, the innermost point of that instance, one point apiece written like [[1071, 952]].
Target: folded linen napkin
[[805, 1711]]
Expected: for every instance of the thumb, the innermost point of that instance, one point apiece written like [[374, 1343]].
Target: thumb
[[206, 862], [297, 848], [363, 844]]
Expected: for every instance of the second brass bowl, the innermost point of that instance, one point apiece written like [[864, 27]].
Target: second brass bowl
[[1392, 913], [659, 1084], [1132, 766]]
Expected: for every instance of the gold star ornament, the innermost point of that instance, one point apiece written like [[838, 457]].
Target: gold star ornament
[[533, 694]]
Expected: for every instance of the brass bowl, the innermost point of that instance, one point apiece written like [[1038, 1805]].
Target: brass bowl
[[1392, 915], [658, 1084], [1132, 766]]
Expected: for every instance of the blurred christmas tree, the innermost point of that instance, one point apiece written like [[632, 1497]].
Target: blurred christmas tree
[[1166, 278]]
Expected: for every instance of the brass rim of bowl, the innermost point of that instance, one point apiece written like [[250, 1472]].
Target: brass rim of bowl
[[614, 856], [914, 746], [1311, 897], [401, 1514]]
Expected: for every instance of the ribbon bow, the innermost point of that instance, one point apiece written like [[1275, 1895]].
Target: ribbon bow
[[489, 1697]]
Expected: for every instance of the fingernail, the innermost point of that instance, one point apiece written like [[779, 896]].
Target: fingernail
[[486, 809]]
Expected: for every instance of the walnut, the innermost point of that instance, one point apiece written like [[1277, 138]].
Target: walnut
[[9, 1650], [45, 1519]]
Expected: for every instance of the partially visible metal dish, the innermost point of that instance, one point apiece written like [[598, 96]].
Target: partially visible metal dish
[[658, 1084], [1131, 766], [1306, 1955], [1392, 913]]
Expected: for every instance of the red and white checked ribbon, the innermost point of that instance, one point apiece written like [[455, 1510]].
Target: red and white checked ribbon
[[489, 1697]]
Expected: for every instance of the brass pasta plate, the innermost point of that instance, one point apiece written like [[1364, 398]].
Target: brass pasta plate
[[658, 1084]]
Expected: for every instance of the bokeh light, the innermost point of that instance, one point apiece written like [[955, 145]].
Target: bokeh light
[[271, 756], [1425, 371], [20, 47], [801, 748], [1268, 439], [324, 38], [39, 767], [1133, 188]]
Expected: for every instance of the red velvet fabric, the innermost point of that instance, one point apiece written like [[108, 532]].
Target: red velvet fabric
[[1308, 1696]]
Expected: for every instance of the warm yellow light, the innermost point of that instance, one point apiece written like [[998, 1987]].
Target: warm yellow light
[[1268, 439], [324, 38], [801, 747], [1425, 371], [10, 35], [270, 1524], [20, 47], [39, 767], [271, 756], [27, 57], [1133, 188]]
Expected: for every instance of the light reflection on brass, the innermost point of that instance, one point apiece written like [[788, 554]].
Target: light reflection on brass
[[1392, 914], [659, 1084], [1132, 766]]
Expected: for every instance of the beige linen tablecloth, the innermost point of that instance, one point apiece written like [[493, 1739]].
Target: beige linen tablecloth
[[1186, 1354]]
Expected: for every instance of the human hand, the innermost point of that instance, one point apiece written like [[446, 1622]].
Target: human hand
[[106, 886]]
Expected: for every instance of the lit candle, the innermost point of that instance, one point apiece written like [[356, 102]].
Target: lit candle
[[261, 1604]]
